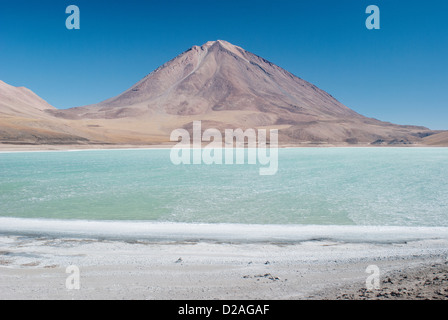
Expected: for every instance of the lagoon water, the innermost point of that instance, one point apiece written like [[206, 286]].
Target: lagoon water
[[313, 186]]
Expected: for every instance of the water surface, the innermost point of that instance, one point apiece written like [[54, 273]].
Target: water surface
[[313, 186]]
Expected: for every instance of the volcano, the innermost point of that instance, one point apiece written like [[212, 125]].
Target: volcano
[[225, 86]]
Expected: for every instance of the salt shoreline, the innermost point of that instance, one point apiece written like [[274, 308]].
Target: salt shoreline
[[155, 231], [34, 268]]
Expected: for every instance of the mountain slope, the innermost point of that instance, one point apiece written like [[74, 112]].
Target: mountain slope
[[438, 139], [225, 86], [21, 102], [24, 119]]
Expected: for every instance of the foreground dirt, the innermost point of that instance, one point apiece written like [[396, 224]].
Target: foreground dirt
[[428, 282]]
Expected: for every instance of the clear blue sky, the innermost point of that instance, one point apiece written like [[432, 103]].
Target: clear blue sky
[[398, 73]]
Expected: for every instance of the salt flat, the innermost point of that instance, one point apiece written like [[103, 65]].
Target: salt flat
[[34, 268]]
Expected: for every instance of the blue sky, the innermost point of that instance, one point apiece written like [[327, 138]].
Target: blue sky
[[398, 73]]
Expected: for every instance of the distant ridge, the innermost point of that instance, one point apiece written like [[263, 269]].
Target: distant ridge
[[24, 119]]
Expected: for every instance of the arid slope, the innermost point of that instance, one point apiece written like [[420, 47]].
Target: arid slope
[[225, 86]]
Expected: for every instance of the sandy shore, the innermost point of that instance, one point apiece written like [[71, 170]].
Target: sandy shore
[[48, 147], [4, 147], [34, 268]]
